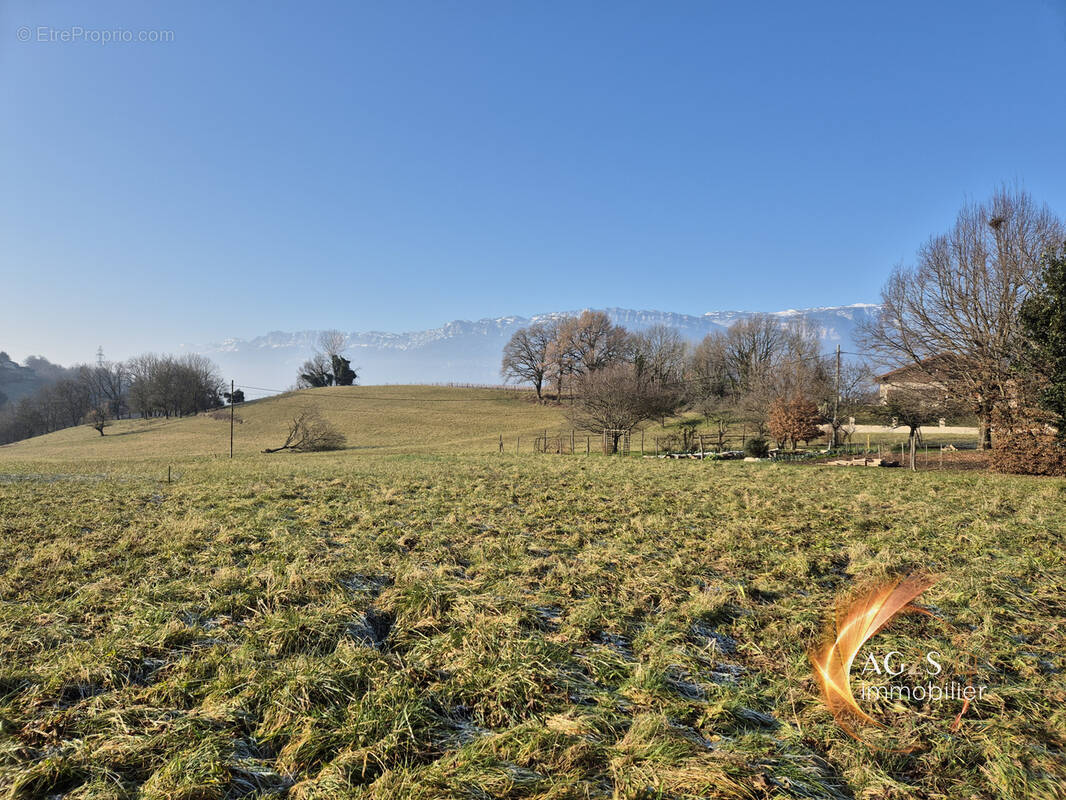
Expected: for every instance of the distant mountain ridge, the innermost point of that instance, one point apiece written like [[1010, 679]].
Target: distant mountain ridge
[[465, 351]]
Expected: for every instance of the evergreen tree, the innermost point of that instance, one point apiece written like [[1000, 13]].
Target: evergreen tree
[[343, 374], [1043, 316]]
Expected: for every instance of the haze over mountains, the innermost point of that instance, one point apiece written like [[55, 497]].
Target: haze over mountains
[[469, 352]]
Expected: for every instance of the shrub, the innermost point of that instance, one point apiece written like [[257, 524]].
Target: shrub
[[794, 419], [1025, 443], [1028, 453], [756, 447]]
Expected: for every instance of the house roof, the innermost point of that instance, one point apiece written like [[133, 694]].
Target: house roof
[[929, 369]]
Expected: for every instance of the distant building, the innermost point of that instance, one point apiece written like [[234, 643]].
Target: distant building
[[931, 376]]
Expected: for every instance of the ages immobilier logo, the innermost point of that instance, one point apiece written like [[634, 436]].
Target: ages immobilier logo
[[918, 678]]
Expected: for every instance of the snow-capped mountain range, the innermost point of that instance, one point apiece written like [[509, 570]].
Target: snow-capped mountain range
[[469, 352]]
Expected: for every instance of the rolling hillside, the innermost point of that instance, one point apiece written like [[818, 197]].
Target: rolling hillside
[[373, 418]]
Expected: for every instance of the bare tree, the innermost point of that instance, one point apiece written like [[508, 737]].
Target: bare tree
[[959, 305], [108, 382], [559, 357], [914, 408], [98, 418], [525, 356], [855, 390], [660, 358], [797, 368], [594, 342], [581, 345], [309, 432], [327, 367], [711, 379], [316, 372], [750, 348], [660, 353], [612, 398], [72, 401], [173, 386], [331, 343]]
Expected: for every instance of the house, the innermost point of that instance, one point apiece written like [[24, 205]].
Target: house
[[930, 376]]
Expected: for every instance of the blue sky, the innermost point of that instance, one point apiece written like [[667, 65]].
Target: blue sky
[[396, 165]]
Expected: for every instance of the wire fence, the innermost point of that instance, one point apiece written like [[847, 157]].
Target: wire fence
[[870, 451]]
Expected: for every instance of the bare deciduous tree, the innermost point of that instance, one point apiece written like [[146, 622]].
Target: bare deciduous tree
[[561, 350], [525, 356], [914, 408], [316, 372], [98, 419], [751, 347], [959, 305], [331, 343], [612, 398], [327, 367], [711, 379], [309, 432], [660, 353], [754, 362], [169, 386], [109, 382], [660, 358], [854, 391], [594, 342], [72, 401]]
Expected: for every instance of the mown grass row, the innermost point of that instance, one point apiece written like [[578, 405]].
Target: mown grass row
[[318, 626]]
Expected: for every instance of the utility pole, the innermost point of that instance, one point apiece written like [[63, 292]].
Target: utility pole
[[836, 401], [231, 388]]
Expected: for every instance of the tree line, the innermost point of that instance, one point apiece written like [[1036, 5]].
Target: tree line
[[979, 318], [763, 371], [148, 385]]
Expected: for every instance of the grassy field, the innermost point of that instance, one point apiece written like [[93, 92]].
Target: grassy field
[[386, 623], [423, 419], [375, 419]]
